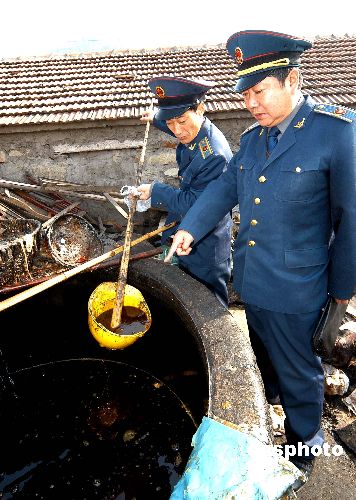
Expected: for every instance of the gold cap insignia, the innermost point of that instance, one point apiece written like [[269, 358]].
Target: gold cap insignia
[[239, 56], [160, 92], [340, 111]]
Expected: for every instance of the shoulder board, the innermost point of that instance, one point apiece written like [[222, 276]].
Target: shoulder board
[[205, 148], [336, 111], [252, 127]]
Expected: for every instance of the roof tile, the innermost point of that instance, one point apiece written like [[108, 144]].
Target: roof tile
[[113, 85]]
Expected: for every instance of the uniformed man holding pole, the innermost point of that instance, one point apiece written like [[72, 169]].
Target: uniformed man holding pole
[[202, 154]]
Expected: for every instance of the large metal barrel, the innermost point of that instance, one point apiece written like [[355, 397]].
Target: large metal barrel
[[236, 392], [194, 345]]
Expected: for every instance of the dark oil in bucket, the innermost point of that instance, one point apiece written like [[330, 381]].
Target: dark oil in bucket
[[133, 320]]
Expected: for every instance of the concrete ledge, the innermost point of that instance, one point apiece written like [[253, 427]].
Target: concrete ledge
[[236, 394]]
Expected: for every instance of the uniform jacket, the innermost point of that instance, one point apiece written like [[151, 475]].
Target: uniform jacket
[[296, 239], [200, 162]]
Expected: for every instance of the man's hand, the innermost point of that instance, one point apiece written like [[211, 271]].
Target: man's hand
[[145, 191], [147, 116], [181, 244]]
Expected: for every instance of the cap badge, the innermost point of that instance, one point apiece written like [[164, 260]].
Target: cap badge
[[340, 111], [160, 92], [239, 56]]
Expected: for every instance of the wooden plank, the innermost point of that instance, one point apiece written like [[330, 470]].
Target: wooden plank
[[15, 201], [33, 187], [50, 221], [108, 145], [116, 205], [79, 188]]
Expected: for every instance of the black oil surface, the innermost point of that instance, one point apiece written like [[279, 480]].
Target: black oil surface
[[132, 321], [7, 384], [53, 326], [46, 444], [85, 429]]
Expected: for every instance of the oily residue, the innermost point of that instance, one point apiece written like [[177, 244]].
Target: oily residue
[[92, 429], [133, 320], [18, 245]]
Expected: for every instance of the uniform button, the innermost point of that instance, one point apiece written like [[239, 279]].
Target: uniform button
[[254, 222], [298, 170], [262, 179], [180, 177], [257, 201], [241, 167], [251, 243]]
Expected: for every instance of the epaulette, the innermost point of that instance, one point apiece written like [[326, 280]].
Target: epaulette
[[252, 127], [205, 148], [346, 114]]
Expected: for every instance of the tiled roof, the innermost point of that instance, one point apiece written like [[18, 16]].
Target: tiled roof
[[106, 86]]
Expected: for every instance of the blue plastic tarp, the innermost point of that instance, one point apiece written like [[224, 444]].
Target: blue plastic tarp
[[228, 464]]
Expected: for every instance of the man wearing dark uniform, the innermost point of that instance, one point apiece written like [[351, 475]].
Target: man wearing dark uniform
[[294, 180], [202, 155]]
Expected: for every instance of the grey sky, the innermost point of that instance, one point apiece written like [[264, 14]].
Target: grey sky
[[38, 27]]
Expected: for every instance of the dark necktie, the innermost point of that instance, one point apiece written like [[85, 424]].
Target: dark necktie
[[272, 139]]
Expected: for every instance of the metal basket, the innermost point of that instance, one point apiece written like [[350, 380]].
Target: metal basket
[[73, 240]]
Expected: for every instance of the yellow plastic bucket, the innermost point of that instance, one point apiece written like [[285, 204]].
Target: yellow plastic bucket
[[101, 300]]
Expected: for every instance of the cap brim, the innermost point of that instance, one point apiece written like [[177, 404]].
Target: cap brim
[[169, 113], [246, 82]]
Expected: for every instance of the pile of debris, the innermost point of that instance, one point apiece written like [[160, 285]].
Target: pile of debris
[[45, 198], [340, 380], [42, 232]]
